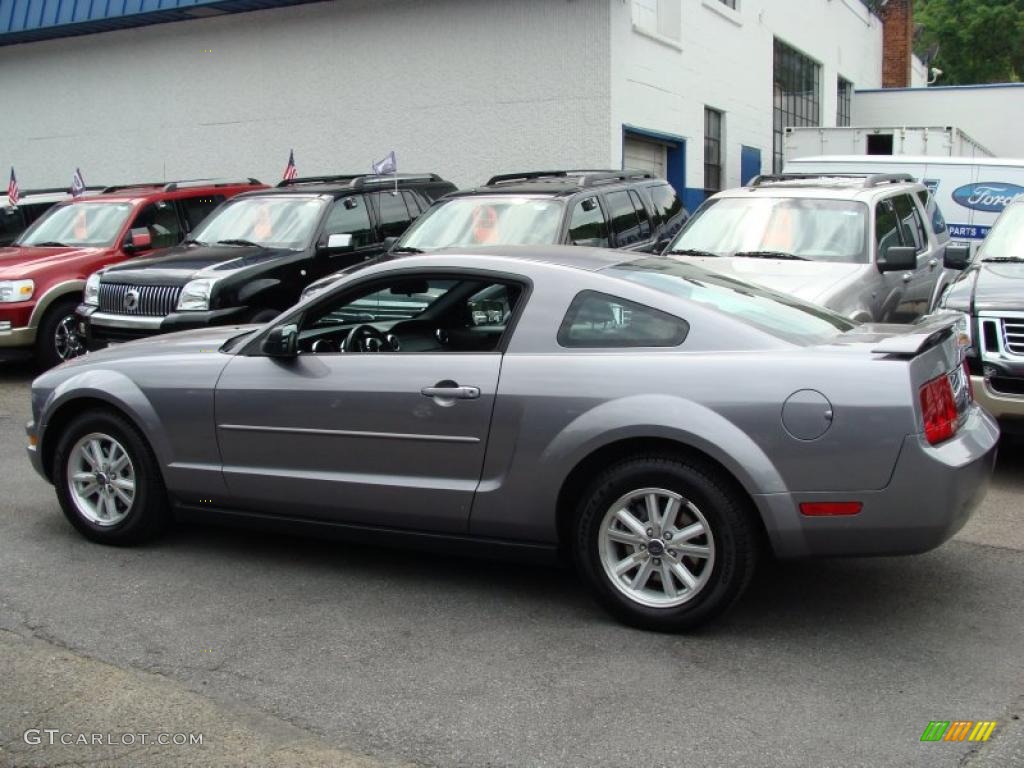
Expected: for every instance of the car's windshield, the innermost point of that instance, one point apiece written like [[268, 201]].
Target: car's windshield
[[483, 221], [817, 230], [271, 222], [1006, 238], [85, 224], [783, 316]]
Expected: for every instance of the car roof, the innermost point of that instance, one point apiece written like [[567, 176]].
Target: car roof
[[572, 256], [171, 190], [560, 183], [36, 196], [910, 160], [347, 184], [825, 186]]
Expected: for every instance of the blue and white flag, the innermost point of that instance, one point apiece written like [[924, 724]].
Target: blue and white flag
[[388, 165], [77, 183]]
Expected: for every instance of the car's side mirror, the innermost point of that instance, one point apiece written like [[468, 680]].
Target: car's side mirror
[[389, 242], [137, 240], [337, 243], [957, 257], [282, 341], [898, 258]]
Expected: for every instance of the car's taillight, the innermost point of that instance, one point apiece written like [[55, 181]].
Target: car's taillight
[[939, 409]]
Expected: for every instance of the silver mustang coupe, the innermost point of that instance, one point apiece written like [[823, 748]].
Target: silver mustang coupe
[[662, 425]]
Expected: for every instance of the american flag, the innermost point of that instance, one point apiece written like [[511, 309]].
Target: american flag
[[12, 188], [77, 183], [290, 171]]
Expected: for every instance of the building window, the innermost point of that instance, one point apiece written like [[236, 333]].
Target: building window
[[844, 95], [729, 3], [661, 18], [796, 85], [712, 150]]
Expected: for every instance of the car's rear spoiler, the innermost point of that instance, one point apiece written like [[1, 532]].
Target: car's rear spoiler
[[917, 338], [902, 340]]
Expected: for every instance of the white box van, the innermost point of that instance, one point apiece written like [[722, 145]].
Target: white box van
[[970, 192]]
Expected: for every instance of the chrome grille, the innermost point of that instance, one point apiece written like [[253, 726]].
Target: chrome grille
[[1013, 335], [151, 300]]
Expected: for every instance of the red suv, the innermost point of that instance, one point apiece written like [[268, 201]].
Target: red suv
[[43, 273]]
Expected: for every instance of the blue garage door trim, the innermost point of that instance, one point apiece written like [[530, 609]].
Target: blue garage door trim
[[675, 157], [26, 21], [750, 163]]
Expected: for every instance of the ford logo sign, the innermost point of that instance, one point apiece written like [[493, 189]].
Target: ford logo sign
[[987, 195]]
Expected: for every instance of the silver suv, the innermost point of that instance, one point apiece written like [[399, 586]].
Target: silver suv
[[872, 248]]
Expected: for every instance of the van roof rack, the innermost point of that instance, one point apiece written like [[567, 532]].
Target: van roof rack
[[359, 180], [53, 190], [867, 180], [170, 186], [585, 177]]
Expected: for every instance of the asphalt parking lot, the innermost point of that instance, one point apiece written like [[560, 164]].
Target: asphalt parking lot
[[298, 652]]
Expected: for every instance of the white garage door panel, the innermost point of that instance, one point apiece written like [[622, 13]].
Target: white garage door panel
[[645, 156]]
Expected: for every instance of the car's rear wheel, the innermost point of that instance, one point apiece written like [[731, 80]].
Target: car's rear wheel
[[58, 339], [665, 543], [108, 481]]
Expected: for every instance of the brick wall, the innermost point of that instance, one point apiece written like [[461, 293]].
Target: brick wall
[[897, 42]]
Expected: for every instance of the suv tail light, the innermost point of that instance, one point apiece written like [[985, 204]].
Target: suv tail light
[[939, 409]]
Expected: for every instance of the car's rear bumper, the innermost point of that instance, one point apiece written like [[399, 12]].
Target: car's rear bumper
[[931, 494]]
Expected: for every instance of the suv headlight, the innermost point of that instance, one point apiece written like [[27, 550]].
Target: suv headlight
[[16, 290], [92, 290], [196, 295]]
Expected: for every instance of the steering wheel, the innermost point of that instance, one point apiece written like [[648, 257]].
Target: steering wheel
[[365, 338]]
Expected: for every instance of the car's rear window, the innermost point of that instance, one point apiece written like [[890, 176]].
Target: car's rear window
[[783, 316]]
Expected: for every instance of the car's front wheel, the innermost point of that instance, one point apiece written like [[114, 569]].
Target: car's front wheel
[[108, 481], [58, 339], [665, 543]]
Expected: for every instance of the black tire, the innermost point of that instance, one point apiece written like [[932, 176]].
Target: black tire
[[47, 349], [735, 535], [149, 513]]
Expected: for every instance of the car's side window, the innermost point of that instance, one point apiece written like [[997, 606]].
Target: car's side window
[[393, 217], [887, 226], [413, 203], [348, 216], [910, 222], [669, 208], [587, 225], [623, 218], [413, 314], [161, 220], [938, 221], [641, 215], [596, 320], [195, 209]]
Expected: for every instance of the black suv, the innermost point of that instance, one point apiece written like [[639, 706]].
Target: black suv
[[251, 258], [625, 209]]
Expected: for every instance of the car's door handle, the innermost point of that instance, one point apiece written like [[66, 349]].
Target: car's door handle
[[907, 277], [451, 391]]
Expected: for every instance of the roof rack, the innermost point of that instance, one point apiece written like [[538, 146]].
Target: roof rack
[[51, 190], [868, 180], [359, 180], [585, 177], [170, 186]]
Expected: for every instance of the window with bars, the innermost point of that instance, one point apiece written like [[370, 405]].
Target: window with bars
[[797, 80], [712, 150], [844, 95]]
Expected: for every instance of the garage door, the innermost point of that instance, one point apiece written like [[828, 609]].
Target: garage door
[[644, 155]]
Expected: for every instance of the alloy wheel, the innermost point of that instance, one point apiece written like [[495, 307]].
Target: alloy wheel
[[101, 479]]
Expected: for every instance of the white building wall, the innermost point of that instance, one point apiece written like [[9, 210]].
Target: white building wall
[[724, 59], [463, 88], [990, 114]]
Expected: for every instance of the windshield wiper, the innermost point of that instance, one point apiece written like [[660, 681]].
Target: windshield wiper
[[193, 241], [49, 244], [237, 241], [406, 249], [1006, 259], [689, 252], [769, 255]]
